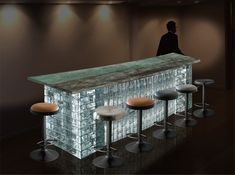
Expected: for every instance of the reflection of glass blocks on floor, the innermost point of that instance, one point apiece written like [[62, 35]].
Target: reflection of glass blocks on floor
[[78, 132]]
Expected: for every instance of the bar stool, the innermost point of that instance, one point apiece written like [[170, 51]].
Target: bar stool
[[165, 95], [139, 104], [108, 114], [186, 121], [44, 154], [203, 111]]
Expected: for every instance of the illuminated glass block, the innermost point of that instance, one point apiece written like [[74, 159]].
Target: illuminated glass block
[[76, 127]]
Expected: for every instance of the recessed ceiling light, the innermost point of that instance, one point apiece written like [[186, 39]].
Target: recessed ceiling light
[[110, 2], [196, 1], [98, 1], [179, 2]]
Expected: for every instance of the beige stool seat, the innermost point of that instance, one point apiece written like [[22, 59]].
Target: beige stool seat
[[44, 108], [109, 113], [140, 103]]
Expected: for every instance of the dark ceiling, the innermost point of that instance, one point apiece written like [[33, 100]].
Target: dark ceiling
[[139, 2]]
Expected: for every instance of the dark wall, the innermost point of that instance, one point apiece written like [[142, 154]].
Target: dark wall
[[233, 36], [43, 39], [204, 37], [201, 32], [36, 40], [148, 25]]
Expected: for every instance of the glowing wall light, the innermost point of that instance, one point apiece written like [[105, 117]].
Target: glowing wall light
[[104, 12], [9, 15], [64, 13], [64, 26]]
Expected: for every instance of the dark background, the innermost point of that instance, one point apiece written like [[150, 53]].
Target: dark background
[[38, 39]]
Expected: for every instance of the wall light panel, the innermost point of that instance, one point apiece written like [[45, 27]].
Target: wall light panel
[[9, 15], [104, 12]]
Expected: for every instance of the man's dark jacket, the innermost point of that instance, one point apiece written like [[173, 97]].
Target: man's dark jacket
[[168, 44]]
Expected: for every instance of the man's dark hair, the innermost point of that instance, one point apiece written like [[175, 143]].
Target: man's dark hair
[[171, 25]]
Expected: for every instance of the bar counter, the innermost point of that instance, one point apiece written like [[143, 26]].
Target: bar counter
[[79, 92]]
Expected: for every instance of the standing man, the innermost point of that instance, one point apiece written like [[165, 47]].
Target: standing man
[[169, 41]]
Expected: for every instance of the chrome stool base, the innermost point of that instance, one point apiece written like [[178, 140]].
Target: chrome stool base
[[183, 123], [45, 156], [163, 134], [107, 162], [136, 147], [200, 113], [108, 114]]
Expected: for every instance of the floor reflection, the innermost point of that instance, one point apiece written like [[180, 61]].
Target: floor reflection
[[133, 163], [208, 148]]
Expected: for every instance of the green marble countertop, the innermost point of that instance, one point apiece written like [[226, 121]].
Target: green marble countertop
[[75, 81]]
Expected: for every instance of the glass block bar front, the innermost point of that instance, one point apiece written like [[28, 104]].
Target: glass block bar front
[[76, 127]]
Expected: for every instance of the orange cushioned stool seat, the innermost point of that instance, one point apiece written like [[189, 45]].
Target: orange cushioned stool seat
[[44, 108], [139, 104]]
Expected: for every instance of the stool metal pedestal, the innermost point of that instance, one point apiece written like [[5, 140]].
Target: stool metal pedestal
[[44, 154], [108, 114], [139, 104], [165, 133], [140, 145], [186, 121], [204, 111]]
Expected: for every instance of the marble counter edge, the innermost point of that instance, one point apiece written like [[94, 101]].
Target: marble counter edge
[[128, 75]]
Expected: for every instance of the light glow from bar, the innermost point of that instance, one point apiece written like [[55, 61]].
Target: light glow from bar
[[78, 132]]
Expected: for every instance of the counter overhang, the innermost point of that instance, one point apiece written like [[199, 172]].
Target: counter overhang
[[78, 80]]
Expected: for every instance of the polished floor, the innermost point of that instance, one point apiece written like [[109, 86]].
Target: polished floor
[[207, 148]]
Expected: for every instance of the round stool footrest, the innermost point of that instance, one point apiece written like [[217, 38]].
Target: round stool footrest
[[134, 136], [157, 124], [200, 105], [179, 115], [182, 115], [144, 136], [113, 149], [131, 136], [51, 140], [161, 125], [104, 149], [100, 149], [40, 142], [45, 143]]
